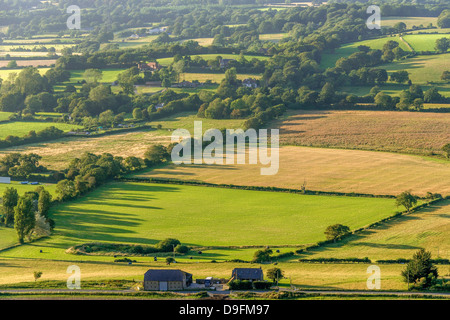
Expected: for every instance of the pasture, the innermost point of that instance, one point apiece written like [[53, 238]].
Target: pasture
[[143, 213], [424, 42], [5, 115], [409, 21], [28, 63], [428, 228], [326, 169], [214, 77], [22, 128], [329, 59]]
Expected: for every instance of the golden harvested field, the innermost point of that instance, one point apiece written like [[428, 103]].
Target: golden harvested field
[[57, 154], [406, 132], [332, 170], [303, 275], [400, 238]]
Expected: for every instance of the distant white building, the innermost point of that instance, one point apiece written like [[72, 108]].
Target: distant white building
[[6, 180]]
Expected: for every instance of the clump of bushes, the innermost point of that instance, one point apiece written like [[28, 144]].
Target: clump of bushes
[[124, 260]]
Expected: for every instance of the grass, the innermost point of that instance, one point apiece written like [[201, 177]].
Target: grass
[[144, 213], [329, 59], [22, 128], [327, 169], [400, 238], [272, 36], [409, 21], [5, 115], [406, 132], [424, 42], [27, 63]]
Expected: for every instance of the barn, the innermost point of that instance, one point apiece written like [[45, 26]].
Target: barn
[[166, 280], [252, 274]]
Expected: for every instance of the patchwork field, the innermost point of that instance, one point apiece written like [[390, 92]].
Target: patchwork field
[[400, 238], [57, 154], [5, 72], [5, 115], [22, 128], [28, 63], [327, 170], [407, 132]]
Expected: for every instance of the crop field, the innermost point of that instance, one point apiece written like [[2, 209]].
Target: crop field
[[57, 154], [168, 61], [327, 169], [397, 131], [22, 128], [424, 42], [399, 238], [409, 21], [28, 63]]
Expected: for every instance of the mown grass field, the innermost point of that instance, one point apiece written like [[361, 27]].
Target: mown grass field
[[327, 169], [214, 77], [22, 128], [141, 213], [272, 36], [428, 228], [424, 42], [58, 153], [407, 132]]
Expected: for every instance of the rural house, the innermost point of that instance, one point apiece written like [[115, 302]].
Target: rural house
[[252, 274], [250, 83], [164, 280], [149, 66]]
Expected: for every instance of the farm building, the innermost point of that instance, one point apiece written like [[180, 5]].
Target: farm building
[[164, 280], [252, 274], [250, 83]]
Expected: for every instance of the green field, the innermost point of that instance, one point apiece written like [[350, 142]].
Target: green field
[[147, 213], [409, 21], [329, 59], [22, 128], [424, 42], [5, 115], [399, 238]]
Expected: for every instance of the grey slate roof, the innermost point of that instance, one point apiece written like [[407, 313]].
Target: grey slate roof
[[248, 273], [164, 275]]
